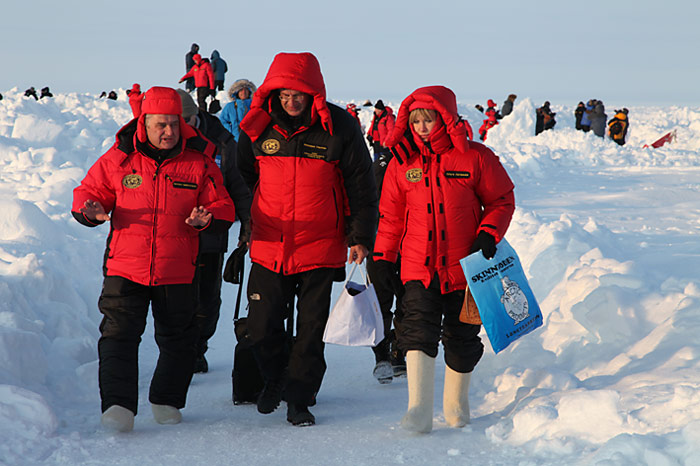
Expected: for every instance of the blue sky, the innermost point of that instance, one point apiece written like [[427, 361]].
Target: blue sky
[[622, 52]]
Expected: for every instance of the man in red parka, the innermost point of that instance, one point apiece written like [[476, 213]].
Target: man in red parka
[[381, 127], [203, 75], [159, 187], [314, 196], [443, 197]]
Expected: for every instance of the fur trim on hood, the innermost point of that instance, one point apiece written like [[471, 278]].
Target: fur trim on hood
[[241, 84]]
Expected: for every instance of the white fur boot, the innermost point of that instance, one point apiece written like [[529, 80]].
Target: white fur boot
[[164, 414], [420, 372], [118, 418], [455, 399]]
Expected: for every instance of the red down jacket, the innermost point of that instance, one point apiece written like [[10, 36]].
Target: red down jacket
[[438, 196], [312, 180], [382, 126], [202, 73], [149, 242]]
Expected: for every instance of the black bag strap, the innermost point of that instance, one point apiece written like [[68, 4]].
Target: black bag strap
[[238, 298]]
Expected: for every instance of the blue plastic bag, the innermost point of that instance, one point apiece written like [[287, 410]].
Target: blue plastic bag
[[507, 306]]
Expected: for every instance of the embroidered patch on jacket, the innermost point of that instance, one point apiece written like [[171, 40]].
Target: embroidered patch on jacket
[[183, 185], [414, 175], [270, 146], [314, 152], [457, 174], [132, 181]]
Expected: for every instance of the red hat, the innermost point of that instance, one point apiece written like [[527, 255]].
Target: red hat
[[491, 103], [196, 57], [160, 101]]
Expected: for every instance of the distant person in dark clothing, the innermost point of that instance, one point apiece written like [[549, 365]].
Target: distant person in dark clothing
[[545, 118], [618, 126], [598, 119], [112, 95], [479, 108], [0, 96], [213, 246], [189, 63], [507, 107], [31, 92], [578, 114], [586, 117], [219, 66], [45, 92]]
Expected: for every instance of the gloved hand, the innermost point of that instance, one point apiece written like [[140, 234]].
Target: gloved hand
[[386, 273], [233, 271], [244, 234], [485, 243], [370, 139]]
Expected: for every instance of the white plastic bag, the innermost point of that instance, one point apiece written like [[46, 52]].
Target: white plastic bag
[[356, 319]]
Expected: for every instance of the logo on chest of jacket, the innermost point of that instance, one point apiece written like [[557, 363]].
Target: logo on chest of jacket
[[414, 175], [271, 146], [313, 151], [132, 181], [457, 174]]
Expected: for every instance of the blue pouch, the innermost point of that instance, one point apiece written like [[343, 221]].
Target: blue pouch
[[507, 306]]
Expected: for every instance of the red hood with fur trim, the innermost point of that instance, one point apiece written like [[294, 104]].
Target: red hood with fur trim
[[298, 71], [443, 101]]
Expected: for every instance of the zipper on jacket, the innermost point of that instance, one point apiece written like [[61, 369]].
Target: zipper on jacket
[[337, 214], [405, 230], [155, 215]]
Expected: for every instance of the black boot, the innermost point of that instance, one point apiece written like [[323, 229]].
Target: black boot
[[398, 361], [382, 369], [299, 415], [201, 365], [271, 395]]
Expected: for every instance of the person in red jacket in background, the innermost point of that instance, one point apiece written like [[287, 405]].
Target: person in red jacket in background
[[314, 196], [158, 187], [382, 125], [355, 112], [203, 75], [443, 198], [135, 97], [491, 120]]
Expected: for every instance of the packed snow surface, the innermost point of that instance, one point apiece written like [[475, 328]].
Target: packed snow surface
[[608, 237]]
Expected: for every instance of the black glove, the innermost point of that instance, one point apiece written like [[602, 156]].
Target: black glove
[[244, 234], [235, 264], [386, 274], [486, 244], [370, 139]]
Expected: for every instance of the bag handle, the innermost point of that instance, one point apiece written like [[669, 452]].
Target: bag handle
[[365, 276]]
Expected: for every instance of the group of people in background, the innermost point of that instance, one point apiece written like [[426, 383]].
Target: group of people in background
[[31, 92]]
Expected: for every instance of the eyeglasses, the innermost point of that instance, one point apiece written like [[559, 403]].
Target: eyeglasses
[[284, 97]]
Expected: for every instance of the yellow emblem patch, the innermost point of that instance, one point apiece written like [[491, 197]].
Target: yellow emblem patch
[[132, 181], [414, 175], [271, 146]]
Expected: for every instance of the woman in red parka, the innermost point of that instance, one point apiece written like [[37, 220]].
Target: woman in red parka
[[443, 198]]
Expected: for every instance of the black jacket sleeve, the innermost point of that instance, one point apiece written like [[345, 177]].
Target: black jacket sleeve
[[246, 161], [360, 187]]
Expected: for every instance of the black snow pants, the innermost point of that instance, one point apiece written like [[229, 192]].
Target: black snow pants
[[268, 295], [124, 305], [386, 287], [429, 315], [208, 283]]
